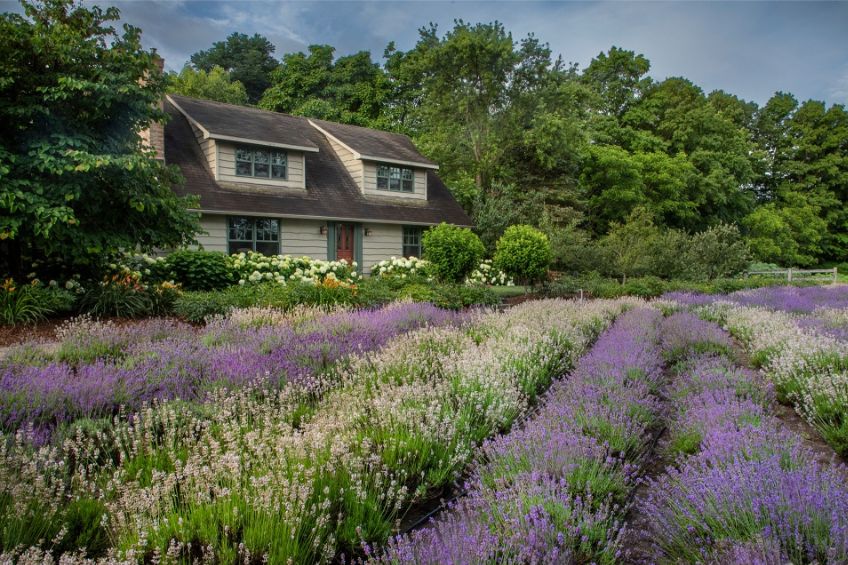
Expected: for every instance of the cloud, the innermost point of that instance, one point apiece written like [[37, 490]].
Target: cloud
[[750, 49]]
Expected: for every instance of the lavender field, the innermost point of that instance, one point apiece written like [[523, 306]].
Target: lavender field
[[570, 432]]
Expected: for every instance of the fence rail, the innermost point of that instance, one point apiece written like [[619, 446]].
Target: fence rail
[[793, 274]]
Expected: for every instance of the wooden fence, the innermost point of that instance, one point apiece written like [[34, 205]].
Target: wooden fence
[[797, 274]]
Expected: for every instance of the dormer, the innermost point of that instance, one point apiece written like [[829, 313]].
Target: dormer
[[247, 146], [382, 164]]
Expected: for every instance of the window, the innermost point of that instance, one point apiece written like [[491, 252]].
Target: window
[[261, 163], [395, 179], [412, 241], [253, 234]]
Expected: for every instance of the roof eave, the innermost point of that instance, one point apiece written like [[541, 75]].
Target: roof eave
[[360, 156], [314, 217]]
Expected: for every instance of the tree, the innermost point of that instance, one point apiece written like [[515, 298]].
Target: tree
[[787, 232], [469, 81], [351, 89], [628, 246], [77, 182], [248, 60], [213, 85], [720, 251], [619, 77]]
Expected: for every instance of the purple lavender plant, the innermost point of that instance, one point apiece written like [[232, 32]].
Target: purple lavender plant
[[551, 492], [183, 365]]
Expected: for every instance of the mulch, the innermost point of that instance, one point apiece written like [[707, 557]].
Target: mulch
[[41, 331]]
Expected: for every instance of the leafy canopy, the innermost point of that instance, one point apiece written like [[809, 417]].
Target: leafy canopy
[[248, 59], [213, 85], [76, 180]]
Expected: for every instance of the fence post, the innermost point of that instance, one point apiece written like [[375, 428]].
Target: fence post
[[789, 274], [835, 275]]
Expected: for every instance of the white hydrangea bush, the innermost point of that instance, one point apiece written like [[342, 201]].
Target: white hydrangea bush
[[402, 267], [254, 267], [487, 274]]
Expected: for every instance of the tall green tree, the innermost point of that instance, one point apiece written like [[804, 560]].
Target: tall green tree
[[213, 85], [76, 181], [351, 89], [248, 59], [469, 80]]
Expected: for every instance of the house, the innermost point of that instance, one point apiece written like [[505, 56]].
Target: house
[[281, 184]]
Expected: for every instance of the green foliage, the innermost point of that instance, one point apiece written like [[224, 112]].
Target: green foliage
[[720, 251], [627, 246], [787, 232], [453, 251], [21, 304], [524, 253], [215, 84], [248, 60], [352, 89], [78, 182], [122, 297], [200, 270]]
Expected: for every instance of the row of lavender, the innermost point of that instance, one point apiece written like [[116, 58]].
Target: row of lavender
[[799, 337], [239, 477], [554, 490], [744, 489], [100, 369]]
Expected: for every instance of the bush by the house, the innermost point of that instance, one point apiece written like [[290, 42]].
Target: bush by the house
[[524, 253], [453, 251], [254, 267], [402, 267], [200, 270]]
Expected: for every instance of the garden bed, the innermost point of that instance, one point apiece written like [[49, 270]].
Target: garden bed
[[158, 438]]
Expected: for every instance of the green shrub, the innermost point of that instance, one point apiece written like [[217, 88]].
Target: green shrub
[[524, 253], [459, 296], [56, 300], [720, 251], [117, 296], [644, 287], [195, 306], [200, 270], [453, 251], [23, 304]]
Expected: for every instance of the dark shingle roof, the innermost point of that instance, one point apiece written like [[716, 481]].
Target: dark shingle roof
[[330, 191], [226, 121], [375, 145]]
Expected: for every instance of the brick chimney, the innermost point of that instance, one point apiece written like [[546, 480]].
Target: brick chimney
[[154, 136]]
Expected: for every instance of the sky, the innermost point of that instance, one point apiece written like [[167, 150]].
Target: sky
[[751, 49]]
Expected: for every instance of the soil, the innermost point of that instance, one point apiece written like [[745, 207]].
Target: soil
[[42, 331]]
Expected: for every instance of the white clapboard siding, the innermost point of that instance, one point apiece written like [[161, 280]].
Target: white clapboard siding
[[386, 240], [227, 169], [370, 184], [303, 237], [352, 164], [216, 239], [207, 146]]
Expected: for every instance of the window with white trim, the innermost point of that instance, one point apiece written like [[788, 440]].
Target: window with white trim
[[412, 241], [261, 163], [253, 234], [395, 179]]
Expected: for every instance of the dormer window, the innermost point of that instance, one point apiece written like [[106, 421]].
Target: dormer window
[[395, 179], [261, 163]]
